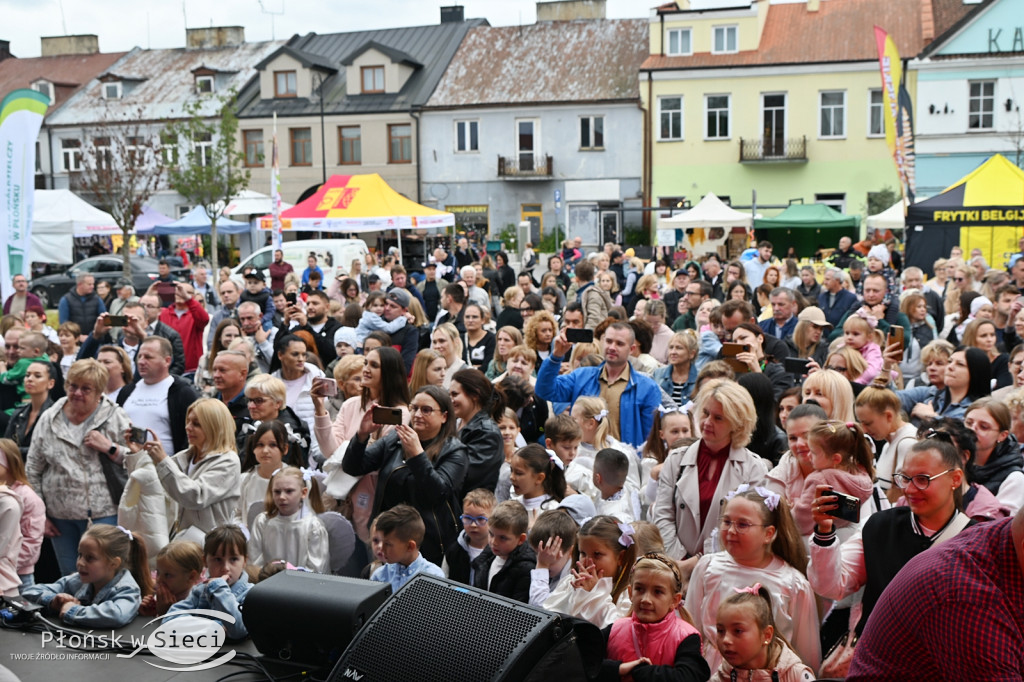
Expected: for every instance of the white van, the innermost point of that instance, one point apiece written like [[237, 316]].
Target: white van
[[332, 255]]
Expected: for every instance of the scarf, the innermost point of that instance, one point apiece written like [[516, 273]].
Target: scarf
[[630, 639]]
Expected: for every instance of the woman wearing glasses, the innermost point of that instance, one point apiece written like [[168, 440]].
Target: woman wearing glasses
[[64, 465], [997, 461], [930, 477], [423, 465]]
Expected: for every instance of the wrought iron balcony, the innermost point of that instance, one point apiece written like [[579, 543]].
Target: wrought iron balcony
[[773, 150], [526, 167]]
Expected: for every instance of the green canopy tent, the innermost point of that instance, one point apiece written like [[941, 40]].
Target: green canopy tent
[[807, 228]]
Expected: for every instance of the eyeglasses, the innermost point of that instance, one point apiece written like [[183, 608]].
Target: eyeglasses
[[741, 527], [257, 401], [920, 481], [959, 279], [473, 520], [426, 410]]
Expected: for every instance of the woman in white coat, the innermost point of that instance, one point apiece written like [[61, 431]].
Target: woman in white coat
[[144, 508], [694, 480], [205, 478]]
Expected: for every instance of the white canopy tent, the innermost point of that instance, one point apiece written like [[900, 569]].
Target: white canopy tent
[[710, 212], [249, 202], [892, 218], [60, 215]]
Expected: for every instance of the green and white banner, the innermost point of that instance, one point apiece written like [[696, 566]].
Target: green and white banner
[[21, 116]]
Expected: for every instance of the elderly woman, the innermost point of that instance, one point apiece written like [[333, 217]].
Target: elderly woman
[[64, 459], [205, 478], [446, 341], [693, 481], [267, 399], [423, 465]]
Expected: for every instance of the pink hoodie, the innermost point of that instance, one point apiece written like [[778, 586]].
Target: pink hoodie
[[857, 484]]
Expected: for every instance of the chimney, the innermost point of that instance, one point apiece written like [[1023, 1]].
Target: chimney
[[927, 21], [453, 14], [214, 36], [58, 46], [5, 50], [567, 10], [813, 5]]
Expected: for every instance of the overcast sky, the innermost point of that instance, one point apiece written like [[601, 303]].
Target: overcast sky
[[124, 24]]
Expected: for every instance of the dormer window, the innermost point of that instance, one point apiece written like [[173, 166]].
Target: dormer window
[[204, 85], [112, 90], [45, 88], [285, 84], [373, 79]]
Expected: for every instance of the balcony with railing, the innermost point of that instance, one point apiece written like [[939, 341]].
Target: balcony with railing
[[526, 167], [773, 150]]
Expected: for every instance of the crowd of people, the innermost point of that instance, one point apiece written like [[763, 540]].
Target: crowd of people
[[737, 469]]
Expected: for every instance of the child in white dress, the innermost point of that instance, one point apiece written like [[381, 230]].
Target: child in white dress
[[287, 529]]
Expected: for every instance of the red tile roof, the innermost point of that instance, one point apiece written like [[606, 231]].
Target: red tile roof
[[840, 31], [66, 72]]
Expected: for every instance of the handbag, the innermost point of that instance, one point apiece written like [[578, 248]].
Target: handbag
[[116, 476], [836, 663]]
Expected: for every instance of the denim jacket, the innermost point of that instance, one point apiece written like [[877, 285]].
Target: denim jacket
[[219, 596], [116, 605]]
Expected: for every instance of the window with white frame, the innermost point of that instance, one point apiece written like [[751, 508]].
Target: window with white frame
[[169, 149], [104, 156], [834, 201], [678, 43], [45, 88], [670, 118], [981, 105], [717, 108], [112, 90], [135, 148], [833, 113], [204, 84], [71, 153], [876, 113], [467, 136], [724, 39], [591, 132], [204, 148]]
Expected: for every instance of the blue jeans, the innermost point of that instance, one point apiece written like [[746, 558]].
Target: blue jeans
[[65, 545]]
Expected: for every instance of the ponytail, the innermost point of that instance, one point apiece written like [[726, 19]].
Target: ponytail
[[759, 600], [117, 542], [542, 462]]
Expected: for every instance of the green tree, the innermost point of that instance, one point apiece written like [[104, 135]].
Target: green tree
[[881, 200], [122, 167], [211, 170]]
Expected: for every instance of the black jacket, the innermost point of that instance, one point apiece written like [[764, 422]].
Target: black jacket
[[324, 339], [513, 579], [689, 665], [180, 395], [91, 346], [810, 294], [18, 429], [432, 487], [509, 317], [486, 451], [297, 455]]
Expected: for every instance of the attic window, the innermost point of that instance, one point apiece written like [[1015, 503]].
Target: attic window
[[204, 84], [373, 79], [44, 87], [285, 84], [112, 90]]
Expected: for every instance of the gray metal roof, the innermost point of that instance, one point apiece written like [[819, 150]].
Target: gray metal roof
[[431, 46], [158, 83]]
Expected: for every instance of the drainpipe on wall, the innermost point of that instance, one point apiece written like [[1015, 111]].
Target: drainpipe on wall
[[648, 152], [49, 140], [416, 117]]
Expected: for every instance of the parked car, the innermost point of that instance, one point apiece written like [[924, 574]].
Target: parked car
[[333, 255], [51, 288]]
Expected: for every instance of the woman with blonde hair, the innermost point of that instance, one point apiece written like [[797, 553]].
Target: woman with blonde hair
[[540, 332], [694, 480], [447, 341], [511, 299], [847, 361], [832, 392], [205, 478], [506, 339], [679, 375], [940, 280], [428, 368]]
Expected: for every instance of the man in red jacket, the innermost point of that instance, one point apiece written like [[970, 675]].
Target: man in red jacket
[[188, 317], [278, 270]]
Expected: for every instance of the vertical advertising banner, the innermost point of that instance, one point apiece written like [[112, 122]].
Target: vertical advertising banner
[[275, 189], [21, 116], [898, 115]]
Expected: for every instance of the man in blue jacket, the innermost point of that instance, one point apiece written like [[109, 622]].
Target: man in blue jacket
[[632, 397], [834, 299]]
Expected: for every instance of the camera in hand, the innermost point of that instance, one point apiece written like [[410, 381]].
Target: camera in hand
[[796, 366], [579, 335], [848, 509], [138, 435], [387, 415]]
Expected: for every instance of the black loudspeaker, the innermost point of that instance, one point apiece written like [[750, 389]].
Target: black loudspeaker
[[309, 617], [436, 630]]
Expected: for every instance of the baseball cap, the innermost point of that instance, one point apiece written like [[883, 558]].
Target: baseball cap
[[399, 296]]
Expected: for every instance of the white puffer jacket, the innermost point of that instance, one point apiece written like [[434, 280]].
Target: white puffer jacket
[[144, 508]]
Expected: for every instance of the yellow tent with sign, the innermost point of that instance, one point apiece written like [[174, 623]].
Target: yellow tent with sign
[[983, 210]]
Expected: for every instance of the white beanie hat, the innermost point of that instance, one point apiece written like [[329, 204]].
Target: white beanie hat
[[880, 252]]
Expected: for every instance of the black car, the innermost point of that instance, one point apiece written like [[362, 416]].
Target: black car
[[51, 288]]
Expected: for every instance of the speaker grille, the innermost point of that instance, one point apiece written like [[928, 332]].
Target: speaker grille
[[439, 632]]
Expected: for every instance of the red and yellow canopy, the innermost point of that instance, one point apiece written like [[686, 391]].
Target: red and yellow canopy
[[358, 203]]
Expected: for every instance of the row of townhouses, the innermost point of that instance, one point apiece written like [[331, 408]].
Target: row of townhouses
[[579, 123]]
